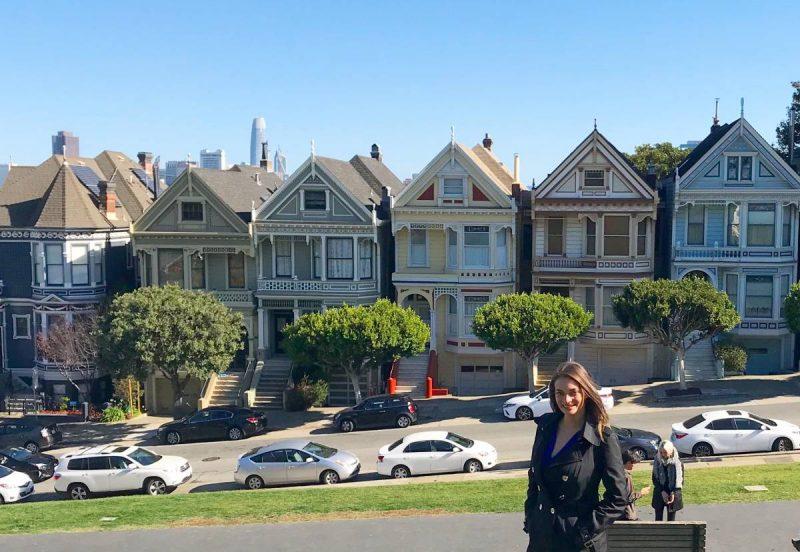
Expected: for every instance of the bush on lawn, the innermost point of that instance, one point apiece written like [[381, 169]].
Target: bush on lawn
[[305, 394], [734, 357], [113, 414]]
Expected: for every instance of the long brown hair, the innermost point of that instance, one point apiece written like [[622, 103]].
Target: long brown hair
[[595, 411]]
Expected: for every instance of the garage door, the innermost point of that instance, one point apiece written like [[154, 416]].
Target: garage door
[[764, 357], [480, 379], [623, 366]]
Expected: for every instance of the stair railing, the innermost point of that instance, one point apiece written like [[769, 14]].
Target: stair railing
[[249, 397]]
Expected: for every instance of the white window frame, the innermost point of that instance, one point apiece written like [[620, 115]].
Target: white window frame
[[202, 203], [444, 194], [303, 205], [14, 319], [365, 245], [97, 255], [330, 258], [547, 236], [772, 295], [728, 225], [276, 256], [739, 156], [646, 237], [466, 320], [588, 187], [606, 235], [487, 247], [73, 264], [689, 207], [787, 221], [427, 246], [774, 223], [48, 265], [784, 284]]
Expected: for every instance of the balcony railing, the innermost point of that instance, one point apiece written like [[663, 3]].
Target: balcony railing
[[234, 295], [61, 291], [710, 253], [610, 264], [273, 286]]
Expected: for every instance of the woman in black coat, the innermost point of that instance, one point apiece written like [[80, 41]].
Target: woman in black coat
[[573, 451]]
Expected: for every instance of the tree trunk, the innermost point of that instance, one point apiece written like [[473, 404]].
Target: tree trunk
[[177, 394], [682, 368], [354, 381], [534, 372]]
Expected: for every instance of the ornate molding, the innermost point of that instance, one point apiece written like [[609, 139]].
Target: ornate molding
[[314, 229]]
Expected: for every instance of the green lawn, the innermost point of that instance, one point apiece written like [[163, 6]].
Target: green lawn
[[236, 507]]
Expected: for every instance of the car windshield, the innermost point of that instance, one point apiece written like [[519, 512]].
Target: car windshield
[[17, 453], [320, 450], [459, 440], [764, 420], [541, 393], [691, 422], [622, 431], [4, 471], [144, 457]]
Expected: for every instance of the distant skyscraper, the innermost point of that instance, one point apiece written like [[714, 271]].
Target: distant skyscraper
[[690, 144], [279, 164], [258, 135], [66, 143], [213, 159], [174, 170]]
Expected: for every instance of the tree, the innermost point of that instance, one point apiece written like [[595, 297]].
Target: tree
[[180, 333], [784, 128], [676, 314], [530, 325], [664, 156], [791, 307], [72, 348], [356, 339]]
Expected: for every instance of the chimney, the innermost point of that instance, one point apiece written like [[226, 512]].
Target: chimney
[[264, 163], [487, 142], [651, 178], [515, 189], [516, 168], [108, 198], [146, 162], [375, 153]]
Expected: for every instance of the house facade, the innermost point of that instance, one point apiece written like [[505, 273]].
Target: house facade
[[322, 239], [454, 228], [593, 233], [64, 242], [734, 205]]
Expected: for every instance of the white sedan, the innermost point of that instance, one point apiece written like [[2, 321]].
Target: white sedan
[[733, 431], [434, 452], [537, 403]]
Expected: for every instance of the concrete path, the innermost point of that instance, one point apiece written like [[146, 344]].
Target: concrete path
[[763, 527]]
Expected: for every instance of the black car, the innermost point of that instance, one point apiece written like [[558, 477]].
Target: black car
[[378, 411], [29, 433], [38, 466], [215, 422], [643, 445]]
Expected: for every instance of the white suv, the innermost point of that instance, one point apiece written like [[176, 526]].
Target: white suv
[[112, 468]]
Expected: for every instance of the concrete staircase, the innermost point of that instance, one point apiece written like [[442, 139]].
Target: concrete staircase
[[412, 374], [227, 389], [548, 365], [271, 384], [701, 364]]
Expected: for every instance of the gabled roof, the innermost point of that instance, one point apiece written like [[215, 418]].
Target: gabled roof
[[704, 146], [67, 204], [241, 187], [503, 178], [376, 174], [361, 176]]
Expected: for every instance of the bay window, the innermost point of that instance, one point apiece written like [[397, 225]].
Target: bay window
[[501, 249], [452, 248], [476, 246], [758, 297], [170, 267], [732, 288], [591, 238], [471, 304], [641, 238], [761, 224], [609, 318], [340, 258], [786, 234], [616, 236], [283, 258], [236, 271], [732, 234], [365, 259], [79, 264], [54, 261], [97, 262]]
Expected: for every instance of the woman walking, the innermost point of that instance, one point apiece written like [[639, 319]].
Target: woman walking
[[573, 451], [667, 482]]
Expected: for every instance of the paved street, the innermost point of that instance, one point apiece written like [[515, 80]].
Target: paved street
[[213, 463], [765, 527]]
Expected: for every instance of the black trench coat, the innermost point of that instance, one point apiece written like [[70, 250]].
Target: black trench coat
[[572, 514]]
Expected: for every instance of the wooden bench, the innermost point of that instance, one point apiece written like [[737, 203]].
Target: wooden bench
[[657, 536]]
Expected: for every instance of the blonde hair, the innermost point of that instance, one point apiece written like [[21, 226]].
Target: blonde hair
[[667, 447], [595, 411]]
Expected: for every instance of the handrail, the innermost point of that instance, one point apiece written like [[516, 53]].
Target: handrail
[[249, 396], [244, 386], [391, 381], [208, 390]]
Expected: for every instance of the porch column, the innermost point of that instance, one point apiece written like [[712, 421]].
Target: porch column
[[633, 235], [324, 256], [262, 330], [459, 247], [493, 247], [433, 326], [776, 296], [154, 268], [296, 313], [355, 258]]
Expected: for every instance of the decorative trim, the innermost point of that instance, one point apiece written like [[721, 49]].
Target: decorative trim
[[27, 318], [313, 228]]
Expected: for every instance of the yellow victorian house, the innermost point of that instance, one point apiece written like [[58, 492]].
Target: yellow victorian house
[[455, 229]]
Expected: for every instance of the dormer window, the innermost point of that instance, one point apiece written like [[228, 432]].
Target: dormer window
[[452, 187], [192, 211], [314, 200], [594, 178], [740, 168]]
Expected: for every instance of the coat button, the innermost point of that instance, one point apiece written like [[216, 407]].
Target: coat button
[[539, 488], [540, 506], [552, 510], [562, 497], [564, 478]]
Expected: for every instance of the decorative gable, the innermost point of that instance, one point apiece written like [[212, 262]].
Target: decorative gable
[[427, 195], [478, 195]]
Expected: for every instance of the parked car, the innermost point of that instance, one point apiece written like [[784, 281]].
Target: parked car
[[30, 433], [295, 461], [434, 452], [112, 468], [643, 445], [378, 411], [733, 431], [215, 422], [37, 466], [14, 485], [536, 403]]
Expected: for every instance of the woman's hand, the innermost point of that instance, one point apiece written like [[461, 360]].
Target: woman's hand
[[665, 497], [671, 498], [645, 491]]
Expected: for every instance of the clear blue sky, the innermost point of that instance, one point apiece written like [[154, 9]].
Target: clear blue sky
[[174, 78]]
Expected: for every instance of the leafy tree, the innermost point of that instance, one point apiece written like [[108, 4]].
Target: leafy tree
[[355, 339], [530, 325], [664, 156], [180, 333], [784, 127], [791, 307], [676, 314], [72, 348]]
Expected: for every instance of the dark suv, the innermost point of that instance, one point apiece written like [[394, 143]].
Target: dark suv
[[378, 411], [215, 422]]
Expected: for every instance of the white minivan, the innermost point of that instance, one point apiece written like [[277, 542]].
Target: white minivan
[[111, 468]]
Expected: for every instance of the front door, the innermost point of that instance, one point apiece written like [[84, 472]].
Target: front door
[[282, 319]]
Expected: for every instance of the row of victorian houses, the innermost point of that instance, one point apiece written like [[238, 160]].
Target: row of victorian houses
[[461, 233]]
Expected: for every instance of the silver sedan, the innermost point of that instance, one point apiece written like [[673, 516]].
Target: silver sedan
[[295, 461]]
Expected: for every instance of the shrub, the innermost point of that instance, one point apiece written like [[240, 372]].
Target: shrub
[[112, 414], [734, 357], [306, 393]]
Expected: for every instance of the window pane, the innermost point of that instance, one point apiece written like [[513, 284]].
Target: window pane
[[54, 255], [732, 288], [733, 226], [453, 187], [80, 264], [616, 239], [609, 319], [340, 258], [555, 234], [758, 297], [192, 211], [365, 259], [784, 291], [236, 271], [641, 238], [594, 178], [733, 168], [452, 248], [501, 250], [591, 237], [476, 235], [283, 258], [476, 246], [696, 230], [170, 267], [786, 238], [761, 224], [747, 168], [471, 304], [314, 200], [417, 254], [588, 300]]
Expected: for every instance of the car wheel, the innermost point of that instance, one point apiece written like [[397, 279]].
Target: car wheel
[[78, 491], [403, 421], [32, 447], [702, 449], [524, 414], [473, 466], [155, 486], [782, 445], [638, 454], [254, 482], [173, 438], [234, 434], [347, 426], [329, 477], [400, 472]]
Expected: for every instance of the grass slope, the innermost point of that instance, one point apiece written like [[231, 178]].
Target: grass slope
[[713, 485]]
